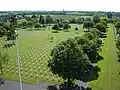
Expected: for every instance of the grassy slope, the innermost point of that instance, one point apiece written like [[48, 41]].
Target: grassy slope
[[109, 79]]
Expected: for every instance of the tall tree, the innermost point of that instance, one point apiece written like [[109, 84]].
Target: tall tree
[[91, 50], [68, 60], [96, 19], [40, 19], [49, 19], [88, 25], [101, 27], [109, 15]]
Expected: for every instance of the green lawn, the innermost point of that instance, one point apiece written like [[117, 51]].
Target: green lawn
[[109, 79], [34, 50]]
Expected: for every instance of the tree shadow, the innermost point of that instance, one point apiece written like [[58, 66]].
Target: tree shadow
[[86, 31], [91, 74], [65, 86], [119, 61], [99, 58], [8, 45]]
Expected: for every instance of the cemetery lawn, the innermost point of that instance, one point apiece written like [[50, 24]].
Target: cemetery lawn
[[109, 78], [34, 51]]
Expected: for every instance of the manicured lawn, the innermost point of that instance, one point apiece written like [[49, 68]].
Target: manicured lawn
[[109, 77], [34, 50]]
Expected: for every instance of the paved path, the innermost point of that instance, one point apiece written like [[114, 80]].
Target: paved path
[[13, 85]]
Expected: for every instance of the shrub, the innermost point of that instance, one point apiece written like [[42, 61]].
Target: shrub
[[37, 26], [55, 27], [55, 31], [76, 28]]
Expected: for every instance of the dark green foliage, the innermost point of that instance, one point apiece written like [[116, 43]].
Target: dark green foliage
[[3, 31], [117, 25], [55, 31], [60, 25], [109, 14], [90, 49], [104, 22], [96, 19], [68, 60], [95, 32], [101, 27], [66, 26], [44, 26], [76, 28], [89, 35], [55, 27], [29, 24], [80, 20], [88, 19], [72, 21], [37, 26], [118, 43], [88, 25], [81, 40], [118, 32], [40, 18], [49, 19]]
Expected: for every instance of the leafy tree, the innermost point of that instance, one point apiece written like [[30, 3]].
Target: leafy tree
[[49, 19], [80, 20], [37, 26], [68, 60], [43, 21], [96, 19], [105, 24], [2, 31], [76, 28], [117, 25], [118, 32], [118, 43], [73, 21], [34, 16], [101, 27], [88, 25], [89, 35], [66, 26], [56, 27], [40, 19], [90, 49], [3, 60], [81, 40], [109, 15], [29, 24], [60, 25], [95, 32], [88, 19]]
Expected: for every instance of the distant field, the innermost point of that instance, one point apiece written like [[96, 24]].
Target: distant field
[[34, 50], [109, 77]]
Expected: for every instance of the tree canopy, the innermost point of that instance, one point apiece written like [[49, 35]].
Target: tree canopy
[[68, 60], [96, 19]]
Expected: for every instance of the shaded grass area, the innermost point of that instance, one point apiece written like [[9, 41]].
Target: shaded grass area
[[109, 78]]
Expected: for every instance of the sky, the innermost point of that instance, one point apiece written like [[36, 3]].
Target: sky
[[51, 5]]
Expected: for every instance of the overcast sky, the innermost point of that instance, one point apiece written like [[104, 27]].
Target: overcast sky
[[77, 5]]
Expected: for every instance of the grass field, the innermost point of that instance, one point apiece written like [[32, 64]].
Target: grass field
[[109, 78], [34, 50]]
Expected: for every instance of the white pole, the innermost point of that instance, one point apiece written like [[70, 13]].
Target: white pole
[[18, 60]]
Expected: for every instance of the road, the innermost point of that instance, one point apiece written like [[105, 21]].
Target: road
[[13, 85]]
